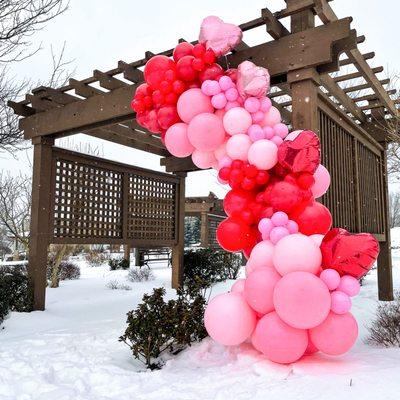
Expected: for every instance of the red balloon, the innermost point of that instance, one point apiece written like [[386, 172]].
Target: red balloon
[[213, 72], [236, 201], [181, 50], [185, 70], [155, 69], [167, 116], [152, 123], [283, 196], [349, 254], [234, 235], [142, 91], [312, 218]]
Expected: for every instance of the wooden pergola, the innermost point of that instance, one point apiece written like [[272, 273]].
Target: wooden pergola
[[82, 199]]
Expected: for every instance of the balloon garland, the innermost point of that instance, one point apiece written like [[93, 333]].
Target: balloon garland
[[300, 274]]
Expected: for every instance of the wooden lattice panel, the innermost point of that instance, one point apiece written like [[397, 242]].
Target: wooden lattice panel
[[87, 201], [151, 208], [213, 222]]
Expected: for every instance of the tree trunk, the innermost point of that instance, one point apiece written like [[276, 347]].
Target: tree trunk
[[55, 280]]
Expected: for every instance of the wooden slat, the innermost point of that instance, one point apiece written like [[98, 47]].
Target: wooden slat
[[364, 86], [107, 81], [355, 75], [274, 27], [131, 73], [366, 56], [372, 96], [83, 89], [21, 109]]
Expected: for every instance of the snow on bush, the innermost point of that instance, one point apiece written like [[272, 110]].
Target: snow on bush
[[115, 285], [139, 274]]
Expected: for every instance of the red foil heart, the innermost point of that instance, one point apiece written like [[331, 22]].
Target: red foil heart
[[301, 154], [349, 254]]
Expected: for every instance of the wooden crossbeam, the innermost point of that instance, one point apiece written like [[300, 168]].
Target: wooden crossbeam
[[364, 86], [354, 75], [372, 96], [130, 73], [21, 109], [366, 56], [39, 103], [84, 90], [107, 81], [274, 27]]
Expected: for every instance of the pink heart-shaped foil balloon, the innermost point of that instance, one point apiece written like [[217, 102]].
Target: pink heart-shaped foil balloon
[[219, 36], [252, 81]]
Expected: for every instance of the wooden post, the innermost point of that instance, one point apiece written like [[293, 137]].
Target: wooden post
[[204, 229], [40, 219], [178, 249], [137, 257], [127, 253]]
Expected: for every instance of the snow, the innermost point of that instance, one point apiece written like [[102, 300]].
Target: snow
[[71, 351]]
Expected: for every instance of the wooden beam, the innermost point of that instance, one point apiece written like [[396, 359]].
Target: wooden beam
[[84, 90], [21, 109], [294, 8], [274, 27], [174, 164], [372, 96], [355, 75], [107, 81], [131, 73], [366, 56], [364, 86]]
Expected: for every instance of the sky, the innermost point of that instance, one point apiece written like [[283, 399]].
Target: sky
[[97, 34]]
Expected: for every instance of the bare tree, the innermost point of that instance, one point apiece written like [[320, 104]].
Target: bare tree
[[15, 206], [19, 20], [394, 204]]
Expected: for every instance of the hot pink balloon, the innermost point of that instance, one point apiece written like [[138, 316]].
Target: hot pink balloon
[[193, 102], [177, 142], [349, 285], [272, 117], [297, 252], [203, 159], [322, 181], [261, 255], [229, 320], [302, 300], [278, 341], [311, 349], [237, 147], [238, 286], [263, 154], [237, 120], [336, 335], [259, 289], [206, 132], [340, 302], [331, 278]]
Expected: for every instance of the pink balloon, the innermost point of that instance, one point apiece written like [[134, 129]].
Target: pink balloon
[[336, 335], [252, 80], [249, 268], [340, 302], [224, 162], [331, 278], [229, 320], [271, 117], [206, 132], [261, 255], [302, 300], [265, 104], [225, 82], [263, 154], [210, 87], [252, 104], [277, 233], [255, 133], [259, 289], [349, 285], [293, 135], [277, 140], [297, 252], [193, 102], [237, 120], [238, 286], [265, 226], [177, 142], [232, 94], [257, 117], [311, 349], [317, 239], [237, 146], [219, 101], [322, 181], [279, 218], [203, 159], [281, 130], [278, 341], [220, 152], [293, 227], [220, 113]]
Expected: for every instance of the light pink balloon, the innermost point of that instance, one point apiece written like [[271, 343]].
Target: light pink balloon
[[336, 335], [278, 341], [261, 255], [331, 278], [279, 218], [281, 130], [220, 113], [210, 87], [238, 286], [249, 268], [203, 159], [322, 181], [237, 120], [297, 252], [277, 233], [229, 320], [219, 101], [293, 135], [302, 300], [177, 142], [206, 132], [259, 289], [225, 83], [317, 239], [349, 285], [224, 162], [193, 102], [237, 146], [220, 152], [340, 302], [263, 154], [271, 117]]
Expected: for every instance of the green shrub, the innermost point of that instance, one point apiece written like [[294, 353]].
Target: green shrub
[[157, 326], [206, 267], [15, 294], [118, 263]]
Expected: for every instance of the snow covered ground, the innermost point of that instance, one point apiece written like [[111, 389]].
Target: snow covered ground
[[71, 351]]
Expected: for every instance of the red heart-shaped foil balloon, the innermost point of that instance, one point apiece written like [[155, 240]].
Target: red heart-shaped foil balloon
[[301, 154], [349, 254]]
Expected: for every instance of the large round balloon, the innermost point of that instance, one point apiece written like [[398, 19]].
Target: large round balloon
[[203, 159], [237, 147], [236, 200], [261, 255], [193, 102], [322, 181], [283, 196], [177, 142], [259, 289], [313, 218], [155, 69], [297, 252], [336, 335], [234, 235], [228, 319], [302, 300], [277, 340], [263, 154]]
